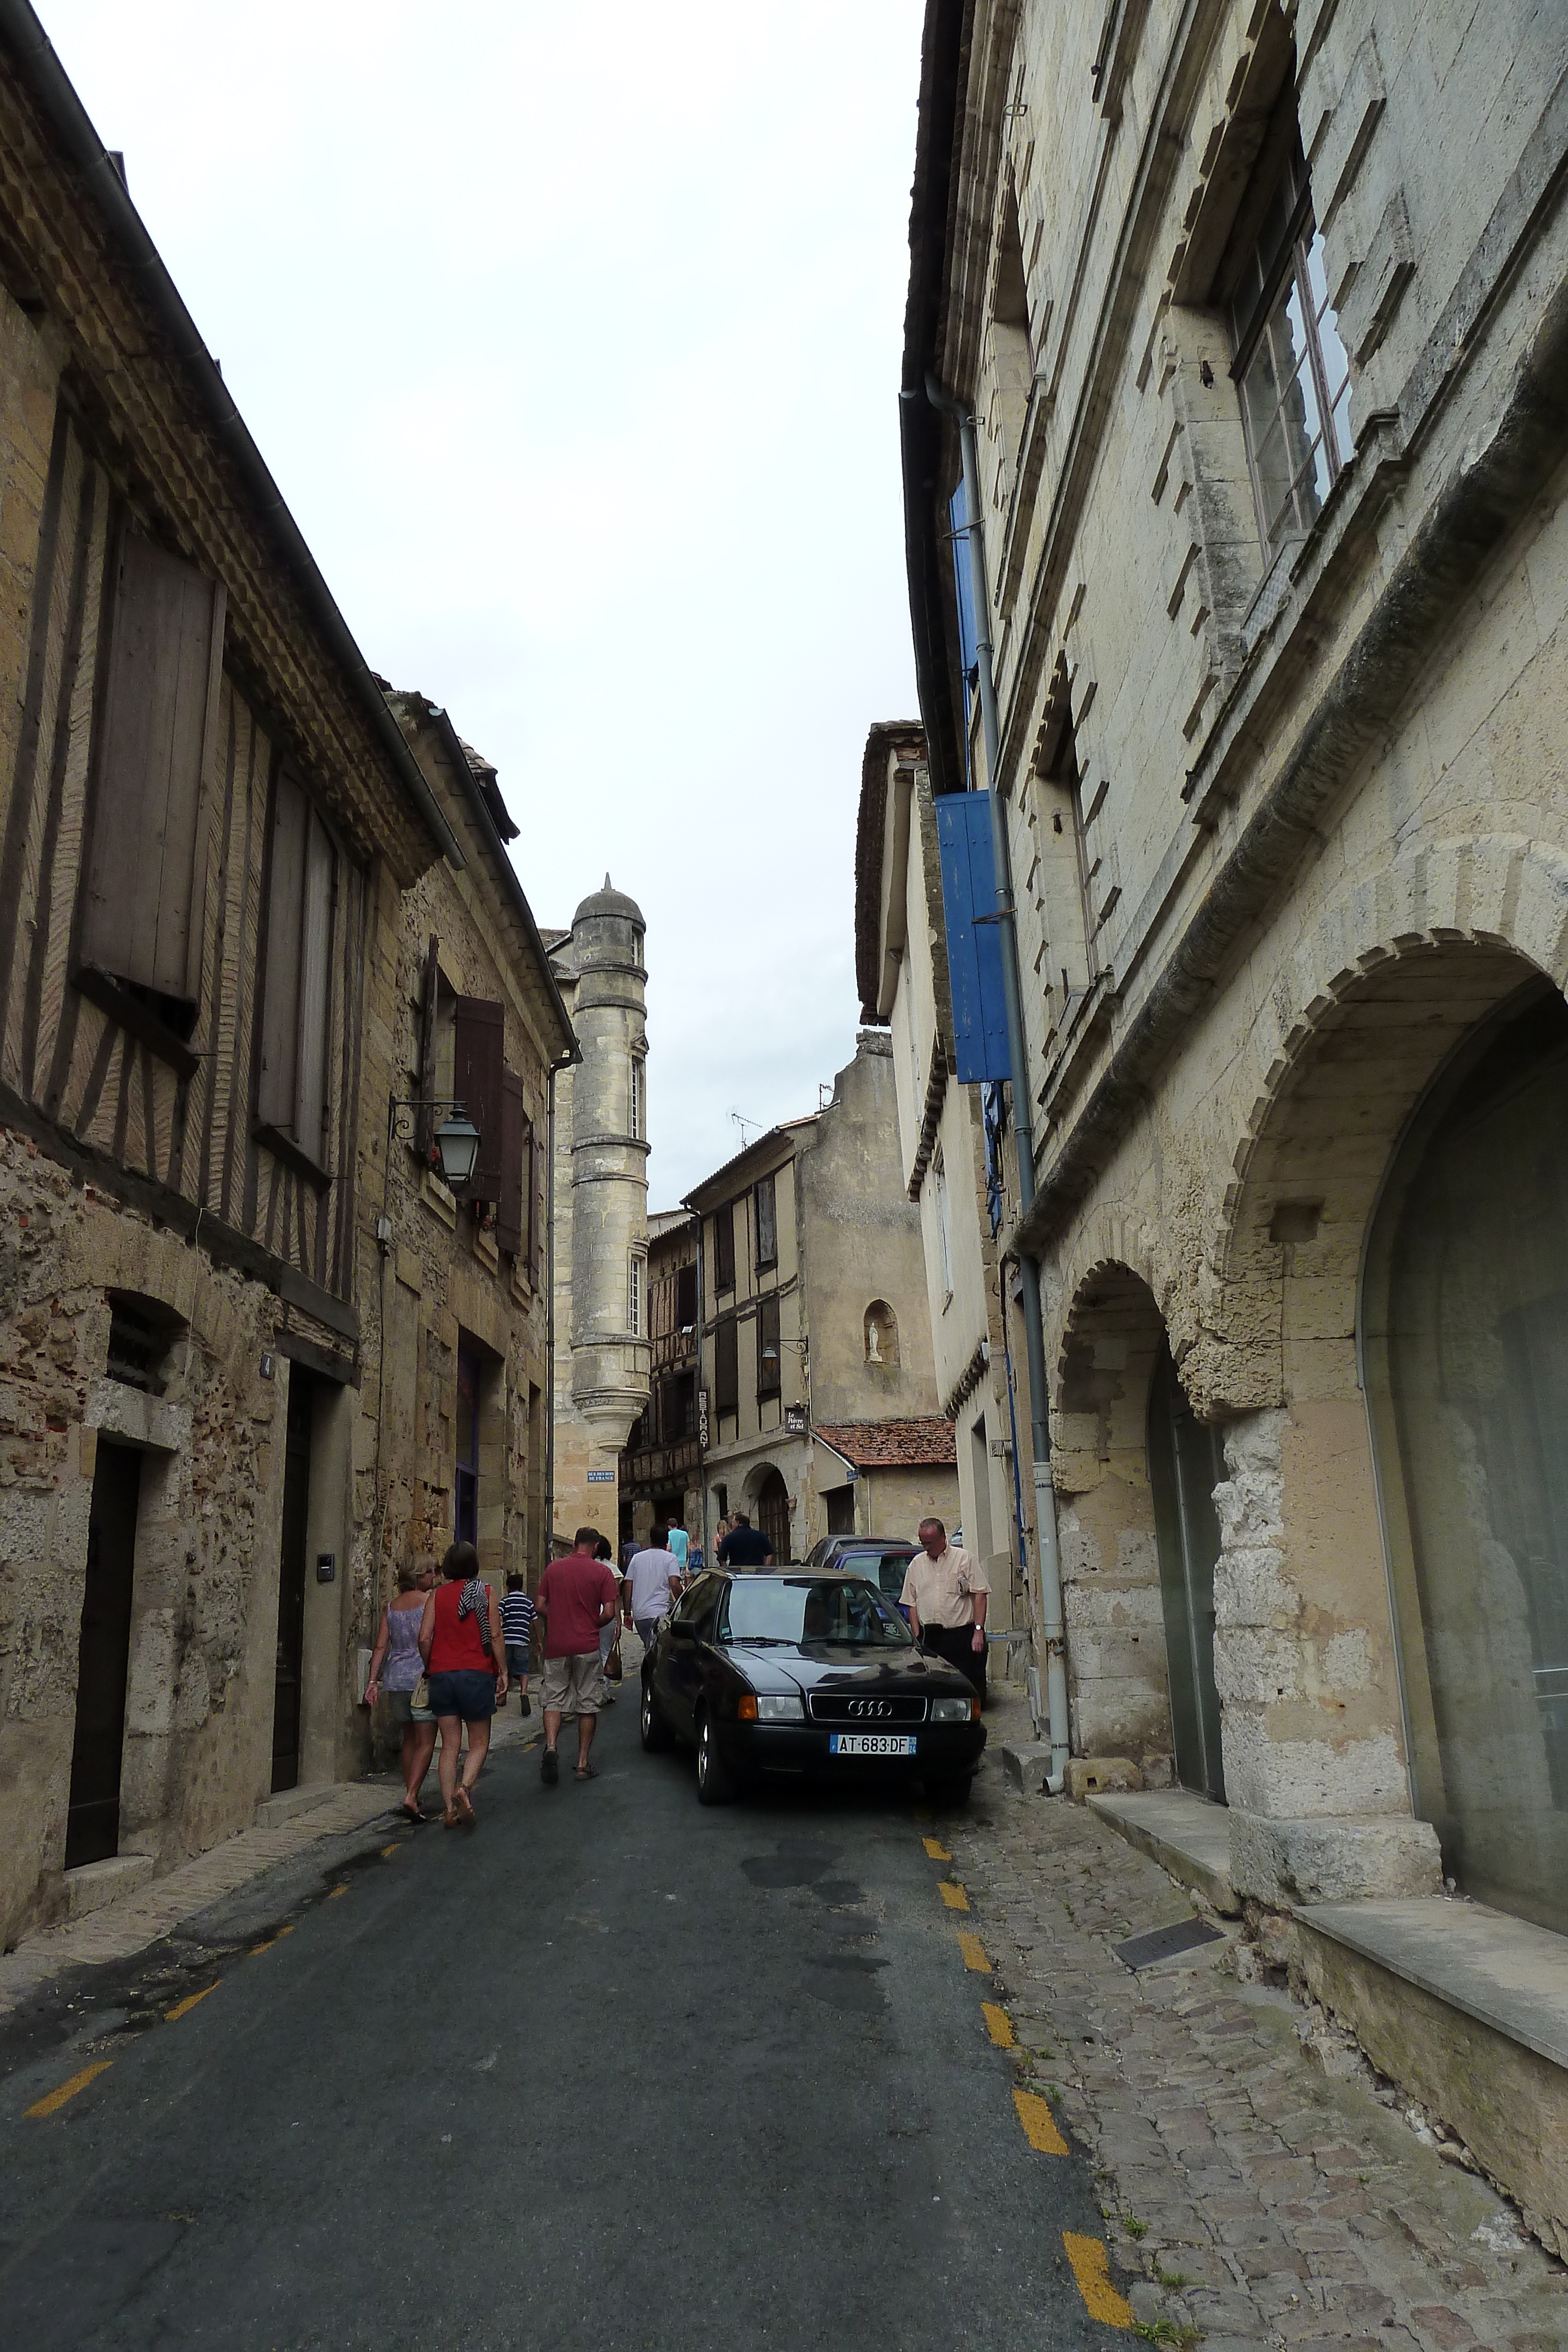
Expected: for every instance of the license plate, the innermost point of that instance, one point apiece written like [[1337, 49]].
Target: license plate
[[868, 1743]]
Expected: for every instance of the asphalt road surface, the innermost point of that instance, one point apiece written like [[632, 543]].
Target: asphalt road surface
[[609, 2070]]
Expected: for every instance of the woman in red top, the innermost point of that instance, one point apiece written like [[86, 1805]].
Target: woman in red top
[[460, 1641]]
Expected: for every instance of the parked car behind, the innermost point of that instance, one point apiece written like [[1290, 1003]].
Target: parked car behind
[[884, 1558]]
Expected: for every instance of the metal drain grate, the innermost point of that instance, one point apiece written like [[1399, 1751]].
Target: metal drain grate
[[1165, 1943]]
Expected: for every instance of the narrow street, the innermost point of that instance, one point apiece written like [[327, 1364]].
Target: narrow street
[[741, 2076], [690, 2078]]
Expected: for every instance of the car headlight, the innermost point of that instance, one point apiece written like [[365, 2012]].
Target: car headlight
[[953, 1710], [782, 1707]]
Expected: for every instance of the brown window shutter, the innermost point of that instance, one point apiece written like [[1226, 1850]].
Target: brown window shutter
[[511, 1215], [144, 910], [723, 1247], [476, 1084], [294, 1091], [425, 1122], [539, 1231], [770, 1376], [727, 1367], [685, 1298]]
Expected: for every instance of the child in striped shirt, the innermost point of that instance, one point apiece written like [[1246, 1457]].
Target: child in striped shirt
[[518, 1634]]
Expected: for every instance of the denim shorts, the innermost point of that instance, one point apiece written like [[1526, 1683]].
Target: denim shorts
[[402, 1709], [467, 1692], [518, 1661]]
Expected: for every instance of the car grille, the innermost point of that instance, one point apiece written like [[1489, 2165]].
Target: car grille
[[867, 1714]]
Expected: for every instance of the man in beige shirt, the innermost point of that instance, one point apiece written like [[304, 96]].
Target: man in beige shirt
[[946, 1596]]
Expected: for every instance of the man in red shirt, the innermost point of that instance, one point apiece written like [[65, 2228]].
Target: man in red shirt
[[577, 1595]]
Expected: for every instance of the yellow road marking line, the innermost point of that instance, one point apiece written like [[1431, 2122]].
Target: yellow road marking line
[[998, 2024], [53, 2099], [974, 1953], [1092, 2269], [937, 1852], [953, 1895], [388, 1851], [1039, 2124], [183, 2007], [333, 1892], [270, 1941]]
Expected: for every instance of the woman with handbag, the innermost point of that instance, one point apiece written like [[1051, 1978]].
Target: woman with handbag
[[460, 1641], [401, 1681], [609, 1635]]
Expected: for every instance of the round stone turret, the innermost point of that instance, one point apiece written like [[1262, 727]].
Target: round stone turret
[[607, 1313]]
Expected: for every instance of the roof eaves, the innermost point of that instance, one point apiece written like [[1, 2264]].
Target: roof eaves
[[51, 88]]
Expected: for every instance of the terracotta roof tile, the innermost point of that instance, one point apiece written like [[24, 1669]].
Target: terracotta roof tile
[[886, 1445]]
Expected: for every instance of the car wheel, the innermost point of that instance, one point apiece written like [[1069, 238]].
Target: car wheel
[[657, 1738], [952, 1790], [715, 1784]]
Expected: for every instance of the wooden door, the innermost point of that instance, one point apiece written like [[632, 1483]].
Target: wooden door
[[288, 1694], [103, 1658]]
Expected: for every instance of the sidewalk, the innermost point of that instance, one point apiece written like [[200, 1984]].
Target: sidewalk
[[121, 1929], [1266, 2202]]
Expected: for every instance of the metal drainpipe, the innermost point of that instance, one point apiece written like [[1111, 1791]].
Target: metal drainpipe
[[1052, 1629], [549, 1347]]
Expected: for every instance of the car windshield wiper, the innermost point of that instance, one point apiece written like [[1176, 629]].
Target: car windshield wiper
[[762, 1641]]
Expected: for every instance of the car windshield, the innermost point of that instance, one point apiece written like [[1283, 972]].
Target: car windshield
[[838, 1609]]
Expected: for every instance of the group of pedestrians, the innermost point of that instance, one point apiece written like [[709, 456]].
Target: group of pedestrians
[[447, 1652], [445, 1672]]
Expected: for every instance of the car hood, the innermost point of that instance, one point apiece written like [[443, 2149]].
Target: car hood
[[813, 1667]]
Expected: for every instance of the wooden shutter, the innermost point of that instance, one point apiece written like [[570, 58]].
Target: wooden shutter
[[511, 1213], [294, 1095], [424, 1084], [538, 1152], [145, 911], [280, 980], [685, 1296], [312, 1104], [727, 1367], [723, 1247], [767, 1224], [476, 1084], [769, 1377]]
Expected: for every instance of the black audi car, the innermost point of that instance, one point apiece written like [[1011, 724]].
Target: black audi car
[[804, 1671]]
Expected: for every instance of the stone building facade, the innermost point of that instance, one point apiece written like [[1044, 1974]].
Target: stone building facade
[[901, 972], [230, 1330], [661, 1470], [1263, 313], [203, 792], [456, 1311], [599, 1168], [813, 1315]]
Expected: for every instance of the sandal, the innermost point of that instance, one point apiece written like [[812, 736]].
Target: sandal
[[450, 1818], [585, 1772], [411, 1812], [465, 1813]]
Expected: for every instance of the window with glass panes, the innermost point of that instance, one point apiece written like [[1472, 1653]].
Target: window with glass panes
[[1289, 368]]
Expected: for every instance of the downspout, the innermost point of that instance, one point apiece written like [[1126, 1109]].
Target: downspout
[[549, 1344], [1052, 1629]]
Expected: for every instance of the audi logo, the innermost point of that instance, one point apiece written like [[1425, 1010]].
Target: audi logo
[[871, 1707]]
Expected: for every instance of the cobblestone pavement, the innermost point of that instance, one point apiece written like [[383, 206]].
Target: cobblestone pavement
[[1264, 2202]]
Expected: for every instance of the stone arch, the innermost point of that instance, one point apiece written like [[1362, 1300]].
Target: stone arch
[[768, 1502], [880, 1334], [1383, 987], [1112, 1339]]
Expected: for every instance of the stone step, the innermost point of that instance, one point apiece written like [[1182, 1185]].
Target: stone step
[[273, 1812], [93, 1883]]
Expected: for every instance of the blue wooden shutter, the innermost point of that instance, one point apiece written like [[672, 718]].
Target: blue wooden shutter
[[964, 586], [974, 946]]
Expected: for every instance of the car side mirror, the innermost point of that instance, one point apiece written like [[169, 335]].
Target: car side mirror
[[682, 1630]]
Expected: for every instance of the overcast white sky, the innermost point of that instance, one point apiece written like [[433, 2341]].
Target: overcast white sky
[[571, 337]]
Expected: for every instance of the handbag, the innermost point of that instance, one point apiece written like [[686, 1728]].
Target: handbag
[[421, 1696], [613, 1667]]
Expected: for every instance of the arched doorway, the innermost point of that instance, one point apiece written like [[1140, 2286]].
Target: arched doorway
[[1464, 1337], [771, 1512], [1186, 1462]]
